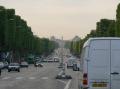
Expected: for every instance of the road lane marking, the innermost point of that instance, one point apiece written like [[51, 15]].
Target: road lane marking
[[62, 81], [5, 78], [32, 78], [44, 78], [68, 85], [60, 73], [18, 78]]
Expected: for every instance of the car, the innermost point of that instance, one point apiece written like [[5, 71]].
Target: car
[[37, 58], [70, 62], [76, 67], [56, 59], [24, 64], [6, 65], [1, 65], [50, 60], [14, 67], [38, 64], [63, 77], [100, 62]]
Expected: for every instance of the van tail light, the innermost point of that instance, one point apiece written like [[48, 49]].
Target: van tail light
[[85, 79]]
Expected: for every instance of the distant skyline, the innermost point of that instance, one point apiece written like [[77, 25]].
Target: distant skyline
[[66, 18]]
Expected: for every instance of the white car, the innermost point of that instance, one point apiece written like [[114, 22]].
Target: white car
[[14, 67]]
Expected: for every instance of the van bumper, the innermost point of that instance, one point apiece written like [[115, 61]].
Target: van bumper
[[85, 88], [82, 87]]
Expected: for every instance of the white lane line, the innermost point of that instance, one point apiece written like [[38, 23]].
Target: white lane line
[[5, 78], [44, 78], [62, 81], [18, 78], [68, 85], [32, 78], [60, 73]]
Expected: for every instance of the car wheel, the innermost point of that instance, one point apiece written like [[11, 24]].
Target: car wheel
[[73, 69], [68, 77], [8, 70], [18, 70]]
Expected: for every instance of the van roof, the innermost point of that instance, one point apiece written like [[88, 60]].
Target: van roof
[[100, 38]]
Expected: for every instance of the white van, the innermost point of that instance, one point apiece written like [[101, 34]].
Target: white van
[[101, 63]]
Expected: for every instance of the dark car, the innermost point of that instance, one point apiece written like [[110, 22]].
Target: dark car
[[38, 64], [14, 67], [24, 64], [75, 67]]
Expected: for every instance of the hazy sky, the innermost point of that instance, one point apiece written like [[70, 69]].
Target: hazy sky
[[65, 18]]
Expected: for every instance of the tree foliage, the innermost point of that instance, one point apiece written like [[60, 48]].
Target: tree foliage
[[104, 28], [17, 37]]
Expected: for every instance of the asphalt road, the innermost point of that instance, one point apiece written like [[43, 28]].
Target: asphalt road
[[38, 78]]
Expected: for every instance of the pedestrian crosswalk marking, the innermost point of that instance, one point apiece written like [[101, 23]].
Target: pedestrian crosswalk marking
[[19, 78], [62, 81], [31, 78], [5, 78], [68, 85], [44, 78]]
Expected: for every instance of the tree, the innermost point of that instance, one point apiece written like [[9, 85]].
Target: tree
[[17, 37], [3, 27], [118, 21], [111, 32], [103, 27]]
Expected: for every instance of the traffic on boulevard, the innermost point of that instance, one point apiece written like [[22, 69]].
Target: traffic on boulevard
[[59, 44], [41, 75]]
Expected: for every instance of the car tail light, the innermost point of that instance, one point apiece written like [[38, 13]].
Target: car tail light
[[85, 79]]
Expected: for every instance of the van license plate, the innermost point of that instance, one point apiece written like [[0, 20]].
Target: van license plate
[[99, 85]]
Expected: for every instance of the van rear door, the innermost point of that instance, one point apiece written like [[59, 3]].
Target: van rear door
[[99, 64], [115, 64]]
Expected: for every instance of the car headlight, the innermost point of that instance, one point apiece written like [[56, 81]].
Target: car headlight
[[9, 67]]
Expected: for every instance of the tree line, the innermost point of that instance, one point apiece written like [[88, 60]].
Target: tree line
[[104, 28], [17, 38]]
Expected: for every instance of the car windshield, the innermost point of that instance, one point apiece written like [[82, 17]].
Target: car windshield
[[14, 64], [1, 62], [23, 62], [38, 62]]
